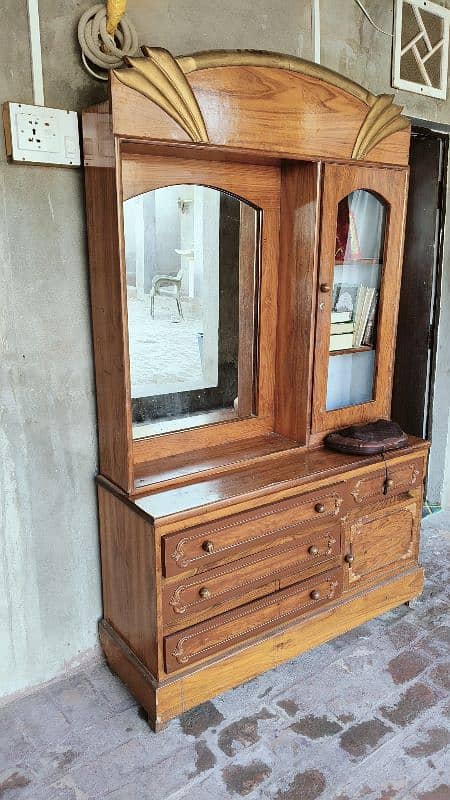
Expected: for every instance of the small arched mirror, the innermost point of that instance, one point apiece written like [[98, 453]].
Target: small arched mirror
[[359, 257], [192, 265]]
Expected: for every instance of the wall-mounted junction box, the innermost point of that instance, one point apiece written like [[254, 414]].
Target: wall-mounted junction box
[[41, 135]]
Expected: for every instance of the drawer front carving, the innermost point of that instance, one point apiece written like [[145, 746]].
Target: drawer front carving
[[201, 641], [255, 576], [206, 546], [382, 541], [391, 480]]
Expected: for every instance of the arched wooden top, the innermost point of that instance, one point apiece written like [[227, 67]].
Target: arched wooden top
[[256, 101]]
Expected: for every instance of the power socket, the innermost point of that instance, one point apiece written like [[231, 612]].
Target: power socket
[[40, 135]]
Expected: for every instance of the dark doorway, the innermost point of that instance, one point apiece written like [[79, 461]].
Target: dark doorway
[[419, 297]]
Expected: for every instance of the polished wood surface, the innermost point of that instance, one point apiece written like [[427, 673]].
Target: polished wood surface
[[129, 577], [305, 116], [201, 641], [300, 205], [383, 540], [108, 303], [231, 548], [167, 699], [275, 479], [203, 463], [391, 187], [189, 599]]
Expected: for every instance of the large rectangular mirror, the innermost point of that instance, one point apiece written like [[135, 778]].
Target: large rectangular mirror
[[192, 266]]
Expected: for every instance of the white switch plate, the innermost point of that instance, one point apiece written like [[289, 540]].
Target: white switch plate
[[40, 135]]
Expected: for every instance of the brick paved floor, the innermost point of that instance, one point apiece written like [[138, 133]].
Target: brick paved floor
[[366, 716]]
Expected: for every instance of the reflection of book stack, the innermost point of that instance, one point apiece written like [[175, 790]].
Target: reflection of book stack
[[364, 317]]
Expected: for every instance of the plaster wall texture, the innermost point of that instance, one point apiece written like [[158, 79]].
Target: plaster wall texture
[[49, 562]]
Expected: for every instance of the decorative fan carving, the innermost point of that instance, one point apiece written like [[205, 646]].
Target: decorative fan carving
[[159, 77]]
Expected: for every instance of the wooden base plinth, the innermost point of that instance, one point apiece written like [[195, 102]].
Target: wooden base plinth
[[167, 699]]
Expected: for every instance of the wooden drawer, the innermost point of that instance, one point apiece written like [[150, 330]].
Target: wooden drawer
[[201, 641], [382, 541], [208, 545], [391, 479], [251, 577]]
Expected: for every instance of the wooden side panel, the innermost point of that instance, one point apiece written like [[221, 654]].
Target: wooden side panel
[[129, 577], [299, 219], [391, 186], [108, 302]]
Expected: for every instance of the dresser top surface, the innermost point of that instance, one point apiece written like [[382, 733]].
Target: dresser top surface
[[282, 472]]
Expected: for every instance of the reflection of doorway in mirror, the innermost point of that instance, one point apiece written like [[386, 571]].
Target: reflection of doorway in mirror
[[173, 232]]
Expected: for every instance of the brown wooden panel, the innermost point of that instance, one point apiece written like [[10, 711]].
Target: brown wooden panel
[[130, 582], [391, 186], [108, 302], [202, 641], [392, 480], [207, 545], [303, 116], [384, 540], [300, 199], [253, 576], [282, 476]]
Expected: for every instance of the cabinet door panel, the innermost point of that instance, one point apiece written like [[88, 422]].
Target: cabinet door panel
[[358, 288], [383, 541]]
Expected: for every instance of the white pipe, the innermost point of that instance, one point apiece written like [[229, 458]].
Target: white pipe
[[315, 30], [36, 52]]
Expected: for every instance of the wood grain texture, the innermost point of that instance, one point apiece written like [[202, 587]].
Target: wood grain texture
[[300, 206], [237, 534], [294, 554], [391, 187], [383, 541], [109, 312], [171, 697], [129, 577], [203, 463], [235, 627], [305, 116], [280, 477]]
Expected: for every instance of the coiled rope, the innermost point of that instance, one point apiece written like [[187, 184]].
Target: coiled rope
[[100, 48]]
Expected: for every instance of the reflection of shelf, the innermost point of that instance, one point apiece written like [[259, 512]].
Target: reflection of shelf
[[345, 351], [359, 262]]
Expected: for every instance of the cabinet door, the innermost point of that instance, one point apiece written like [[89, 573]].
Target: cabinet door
[[382, 541], [358, 291]]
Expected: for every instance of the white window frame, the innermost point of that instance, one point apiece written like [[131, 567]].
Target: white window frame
[[412, 86]]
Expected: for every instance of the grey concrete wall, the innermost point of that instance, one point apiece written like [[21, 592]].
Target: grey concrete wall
[[49, 565]]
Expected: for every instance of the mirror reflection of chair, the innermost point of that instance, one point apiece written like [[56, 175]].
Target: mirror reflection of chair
[[167, 286]]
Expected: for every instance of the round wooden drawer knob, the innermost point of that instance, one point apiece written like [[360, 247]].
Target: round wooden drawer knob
[[389, 483], [315, 594], [320, 508], [313, 550], [204, 593], [349, 558], [208, 546], [325, 288]]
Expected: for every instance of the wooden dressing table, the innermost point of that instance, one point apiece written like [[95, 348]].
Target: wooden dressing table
[[231, 538]]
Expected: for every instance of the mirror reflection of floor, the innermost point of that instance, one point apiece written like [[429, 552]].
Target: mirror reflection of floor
[[164, 350]]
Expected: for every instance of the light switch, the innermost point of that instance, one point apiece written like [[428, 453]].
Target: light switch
[[41, 135]]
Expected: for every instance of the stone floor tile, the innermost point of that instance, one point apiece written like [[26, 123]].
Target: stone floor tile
[[110, 687], [79, 701]]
